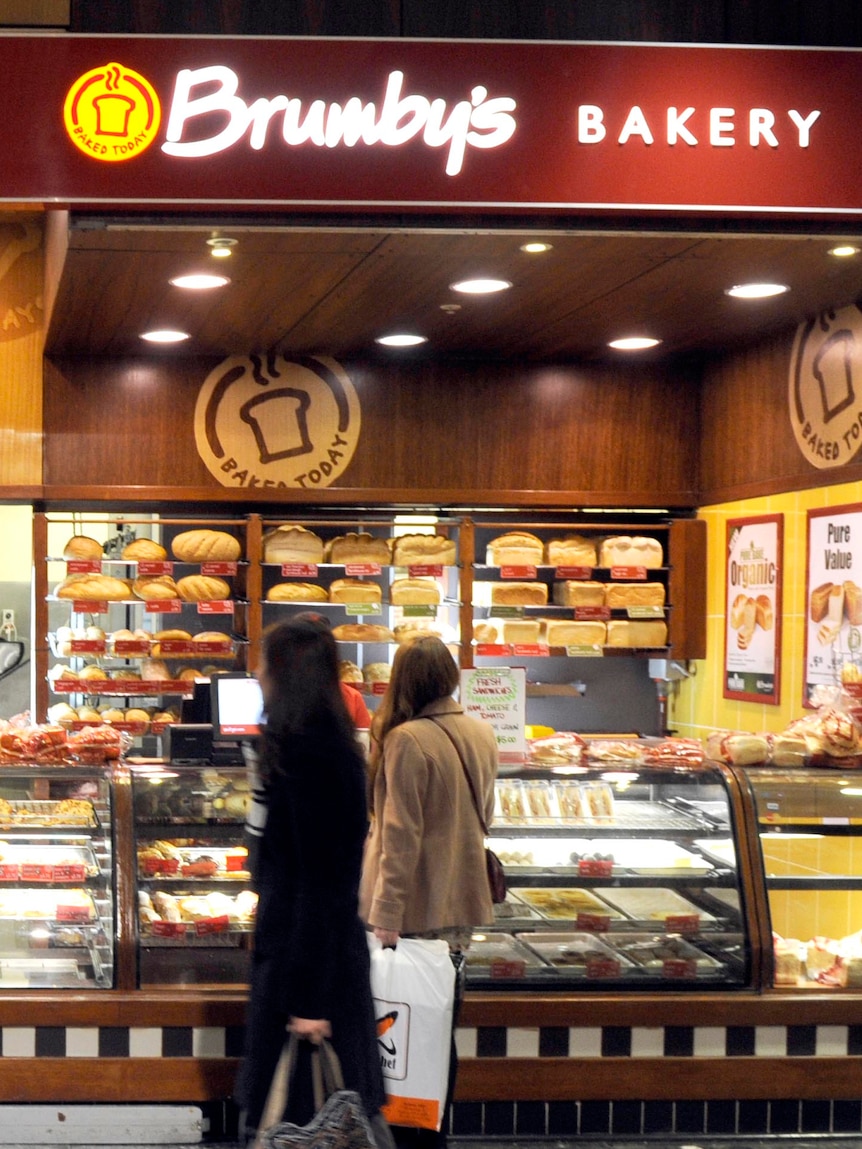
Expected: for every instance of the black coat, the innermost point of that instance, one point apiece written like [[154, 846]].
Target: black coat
[[310, 950]]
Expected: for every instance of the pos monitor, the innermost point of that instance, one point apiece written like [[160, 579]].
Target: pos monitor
[[237, 706]]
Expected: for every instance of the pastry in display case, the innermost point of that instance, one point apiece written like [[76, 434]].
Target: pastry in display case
[[195, 907], [56, 878]]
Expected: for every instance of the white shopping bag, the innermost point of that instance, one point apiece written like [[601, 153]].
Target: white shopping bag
[[414, 996]]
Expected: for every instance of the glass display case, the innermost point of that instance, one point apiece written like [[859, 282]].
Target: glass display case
[[619, 875], [57, 909], [195, 905], [810, 834]]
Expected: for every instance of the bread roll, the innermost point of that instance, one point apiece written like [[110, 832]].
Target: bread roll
[[376, 672], [487, 631], [636, 632], [357, 547], [623, 594], [348, 671], [212, 636], [632, 551], [153, 588], [516, 549], [144, 549], [574, 593], [172, 634], [355, 590], [136, 714], [189, 674], [205, 546], [94, 587], [764, 614], [519, 593], [202, 588], [82, 547], [93, 674], [423, 550], [820, 601], [154, 670], [525, 630], [362, 632], [572, 551], [88, 714], [562, 632], [414, 592], [296, 592], [292, 544], [853, 603]]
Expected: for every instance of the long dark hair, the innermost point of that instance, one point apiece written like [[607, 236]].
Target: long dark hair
[[303, 695]]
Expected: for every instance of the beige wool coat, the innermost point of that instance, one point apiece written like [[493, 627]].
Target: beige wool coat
[[424, 865]]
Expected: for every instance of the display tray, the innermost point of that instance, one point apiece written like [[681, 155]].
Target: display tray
[[30, 863], [567, 905], [24, 973], [668, 956], [653, 856], [720, 851], [47, 905], [68, 813], [501, 955], [514, 912], [218, 864], [657, 905], [578, 955]]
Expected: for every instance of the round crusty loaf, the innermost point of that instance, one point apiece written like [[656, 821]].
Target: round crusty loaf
[[82, 547], [155, 587], [204, 546], [95, 587], [144, 549], [212, 636], [362, 632], [202, 588], [348, 671], [296, 592]]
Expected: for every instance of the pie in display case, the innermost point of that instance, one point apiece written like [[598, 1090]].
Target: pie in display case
[[619, 875], [196, 909], [56, 879]]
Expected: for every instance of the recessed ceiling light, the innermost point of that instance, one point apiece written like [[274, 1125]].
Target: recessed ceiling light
[[536, 248], [634, 343], [480, 286], [199, 281], [401, 339], [843, 250], [165, 336], [756, 290], [221, 246]]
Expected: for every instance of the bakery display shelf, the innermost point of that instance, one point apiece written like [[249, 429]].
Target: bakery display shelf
[[644, 879], [36, 905], [121, 688], [22, 814], [824, 882], [644, 819], [52, 864]]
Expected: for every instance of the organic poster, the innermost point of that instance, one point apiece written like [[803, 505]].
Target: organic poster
[[833, 598], [752, 632]]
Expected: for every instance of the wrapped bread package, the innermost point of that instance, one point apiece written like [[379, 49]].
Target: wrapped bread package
[[423, 550], [353, 590], [637, 632], [357, 547], [94, 587], [572, 551], [624, 594], [563, 632], [297, 592], [202, 546], [202, 588], [292, 544], [519, 593], [516, 549], [570, 592], [82, 547], [146, 550], [414, 592], [632, 551]]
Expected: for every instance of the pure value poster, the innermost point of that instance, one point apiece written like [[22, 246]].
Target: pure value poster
[[752, 633], [833, 596]]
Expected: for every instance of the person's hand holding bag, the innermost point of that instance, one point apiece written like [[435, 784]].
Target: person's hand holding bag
[[386, 937], [312, 1029]]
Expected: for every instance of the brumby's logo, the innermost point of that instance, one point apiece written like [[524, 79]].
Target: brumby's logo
[[112, 113], [393, 1033]]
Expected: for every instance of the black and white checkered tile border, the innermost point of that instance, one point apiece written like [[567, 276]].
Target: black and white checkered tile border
[[472, 1042]]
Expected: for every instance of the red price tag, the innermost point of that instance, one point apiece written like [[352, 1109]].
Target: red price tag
[[154, 567], [299, 570], [73, 913], [73, 872], [90, 606], [219, 925], [629, 573], [225, 649], [65, 685], [603, 967], [587, 612], [379, 687], [219, 606], [575, 573], [503, 967], [87, 646], [218, 568], [530, 650], [164, 606], [682, 923], [594, 922], [595, 868], [129, 646], [425, 571], [362, 568], [10, 872], [491, 649], [176, 646], [679, 967], [517, 572], [161, 865], [83, 566], [31, 872], [169, 929], [235, 862]]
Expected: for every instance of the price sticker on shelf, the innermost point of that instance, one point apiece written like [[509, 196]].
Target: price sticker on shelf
[[645, 611], [423, 570], [219, 925], [176, 646], [602, 967], [362, 608], [576, 574], [152, 866], [218, 606], [70, 872], [90, 606], [299, 570], [629, 574], [679, 967], [492, 650], [168, 929], [164, 606], [31, 872], [73, 913], [518, 572], [509, 611], [596, 923], [356, 569], [132, 646], [508, 967], [582, 650], [234, 863], [530, 650], [83, 566], [155, 567], [682, 923], [595, 868], [222, 568], [584, 613], [10, 872], [419, 610], [87, 646]]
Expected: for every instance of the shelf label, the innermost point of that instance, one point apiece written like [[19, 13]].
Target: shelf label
[[10, 872], [73, 913], [219, 925], [90, 606], [233, 863], [164, 606], [508, 967], [71, 872], [597, 923], [87, 646], [169, 929], [176, 646], [602, 967], [362, 568], [423, 570], [682, 923], [218, 568], [379, 687], [575, 574], [518, 572], [218, 606], [589, 612], [645, 611], [679, 967], [584, 651], [509, 611], [419, 610], [530, 650], [629, 574], [361, 608], [492, 650], [155, 567], [83, 566], [132, 646], [595, 868], [299, 570], [213, 647], [160, 865]]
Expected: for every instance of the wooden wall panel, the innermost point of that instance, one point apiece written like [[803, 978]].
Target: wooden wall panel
[[600, 433], [21, 347]]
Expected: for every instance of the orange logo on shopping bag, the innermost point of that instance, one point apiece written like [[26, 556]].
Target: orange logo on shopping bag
[[393, 1037]]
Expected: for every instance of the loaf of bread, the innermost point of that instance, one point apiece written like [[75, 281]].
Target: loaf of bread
[[636, 632], [348, 671], [526, 630], [515, 549], [853, 603], [423, 550], [419, 628], [632, 551], [212, 636], [146, 550], [206, 546], [820, 601], [152, 588], [570, 592], [357, 547], [202, 588], [174, 634], [763, 612], [376, 672], [292, 543], [154, 670], [353, 590], [487, 630], [82, 547], [414, 592], [624, 594], [362, 632], [572, 551], [738, 610], [297, 592], [94, 587], [519, 593], [563, 632], [93, 674]]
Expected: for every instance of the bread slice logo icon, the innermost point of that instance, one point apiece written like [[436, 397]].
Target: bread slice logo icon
[[270, 421], [824, 383], [112, 113]]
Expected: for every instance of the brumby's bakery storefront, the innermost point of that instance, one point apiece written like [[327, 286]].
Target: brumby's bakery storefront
[[355, 131]]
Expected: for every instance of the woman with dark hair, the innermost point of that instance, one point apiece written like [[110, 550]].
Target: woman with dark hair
[[310, 966]]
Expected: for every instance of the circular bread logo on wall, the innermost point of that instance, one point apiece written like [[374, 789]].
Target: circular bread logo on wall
[[825, 394], [276, 422], [112, 113]]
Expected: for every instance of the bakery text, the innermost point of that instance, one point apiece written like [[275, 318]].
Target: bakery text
[[721, 127]]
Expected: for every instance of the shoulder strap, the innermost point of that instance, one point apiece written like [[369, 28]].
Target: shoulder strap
[[472, 788]]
